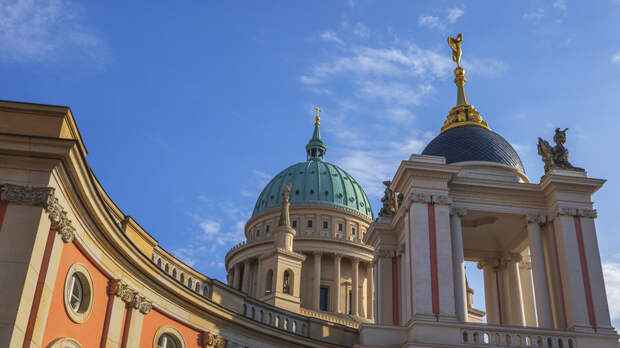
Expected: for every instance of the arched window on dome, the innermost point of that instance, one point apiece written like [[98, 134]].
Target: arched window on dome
[[269, 282]]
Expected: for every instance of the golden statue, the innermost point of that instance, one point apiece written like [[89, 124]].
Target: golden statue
[[455, 44]]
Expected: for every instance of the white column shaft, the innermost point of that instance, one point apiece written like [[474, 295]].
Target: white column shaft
[[337, 281], [516, 295], [460, 285], [371, 291], [539, 271], [246, 276], [355, 287]]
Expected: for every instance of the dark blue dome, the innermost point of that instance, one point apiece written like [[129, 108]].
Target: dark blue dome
[[473, 143]]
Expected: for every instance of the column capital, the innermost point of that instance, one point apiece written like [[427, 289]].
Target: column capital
[[422, 197], [41, 197], [355, 260], [317, 253], [579, 212], [539, 219], [338, 256], [127, 294], [209, 340], [460, 212]]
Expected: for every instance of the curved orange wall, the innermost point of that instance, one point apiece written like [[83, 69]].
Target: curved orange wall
[[59, 324], [155, 319]]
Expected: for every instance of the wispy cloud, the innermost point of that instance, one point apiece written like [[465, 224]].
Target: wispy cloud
[[615, 58], [559, 4], [45, 30], [611, 271], [535, 15], [441, 22], [332, 37], [393, 92], [361, 30]]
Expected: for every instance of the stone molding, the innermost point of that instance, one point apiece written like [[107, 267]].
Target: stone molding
[[460, 212], [580, 212], [539, 219], [130, 296], [210, 340], [41, 197], [419, 197]]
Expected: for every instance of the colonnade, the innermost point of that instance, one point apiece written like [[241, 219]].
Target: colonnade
[[241, 278], [336, 287]]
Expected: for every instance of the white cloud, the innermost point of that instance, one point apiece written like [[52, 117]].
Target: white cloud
[[309, 80], [430, 21], [559, 4], [361, 30], [436, 22], [393, 92], [616, 58], [535, 15], [210, 228], [331, 36], [454, 14], [611, 271], [43, 30]]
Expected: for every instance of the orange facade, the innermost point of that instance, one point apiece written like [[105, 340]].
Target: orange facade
[[59, 324], [155, 319]]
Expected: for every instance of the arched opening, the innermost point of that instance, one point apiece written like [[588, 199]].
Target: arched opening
[[197, 288], [167, 268], [269, 282], [182, 278], [286, 282], [159, 263], [174, 273]]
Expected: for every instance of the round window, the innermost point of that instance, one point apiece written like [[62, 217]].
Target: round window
[[78, 293], [167, 341]]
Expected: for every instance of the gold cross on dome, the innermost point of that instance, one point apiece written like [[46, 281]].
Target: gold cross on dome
[[317, 119]]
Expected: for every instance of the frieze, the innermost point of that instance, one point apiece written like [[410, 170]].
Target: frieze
[[130, 296], [430, 198], [581, 212], [385, 253], [41, 197], [460, 212]]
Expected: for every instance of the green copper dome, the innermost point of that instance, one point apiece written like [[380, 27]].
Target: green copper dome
[[315, 182]]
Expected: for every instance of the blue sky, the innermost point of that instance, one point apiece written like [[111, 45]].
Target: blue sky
[[188, 109]]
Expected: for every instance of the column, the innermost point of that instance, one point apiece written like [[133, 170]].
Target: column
[[316, 285], [355, 262], [527, 291], [236, 276], [516, 295], [595, 270], [246, 276], [371, 291], [133, 330], [491, 293], [120, 294], [337, 281], [384, 290], [460, 285], [539, 271]]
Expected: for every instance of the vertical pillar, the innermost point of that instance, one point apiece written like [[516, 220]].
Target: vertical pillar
[[527, 291], [337, 281], [317, 281], [246, 276], [460, 285], [383, 284], [258, 279], [237, 276], [370, 278], [516, 295], [539, 271], [491, 292], [355, 286], [595, 271]]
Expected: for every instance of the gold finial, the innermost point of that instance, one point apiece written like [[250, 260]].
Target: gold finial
[[317, 119], [462, 114], [455, 44]]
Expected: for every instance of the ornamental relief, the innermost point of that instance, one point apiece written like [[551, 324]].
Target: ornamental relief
[[430, 198], [130, 296], [580, 212], [41, 197]]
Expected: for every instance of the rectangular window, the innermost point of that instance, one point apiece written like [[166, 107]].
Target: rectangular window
[[325, 224], [324, 296], [339, 227], [309, 223], [294, 223], [267, 229], [350, 301], [353, 231]]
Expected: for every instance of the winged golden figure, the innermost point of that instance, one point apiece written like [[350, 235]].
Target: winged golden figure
[[455, 44]]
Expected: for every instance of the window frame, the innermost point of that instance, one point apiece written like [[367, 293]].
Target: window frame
[[81, 273], [170, 331]]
